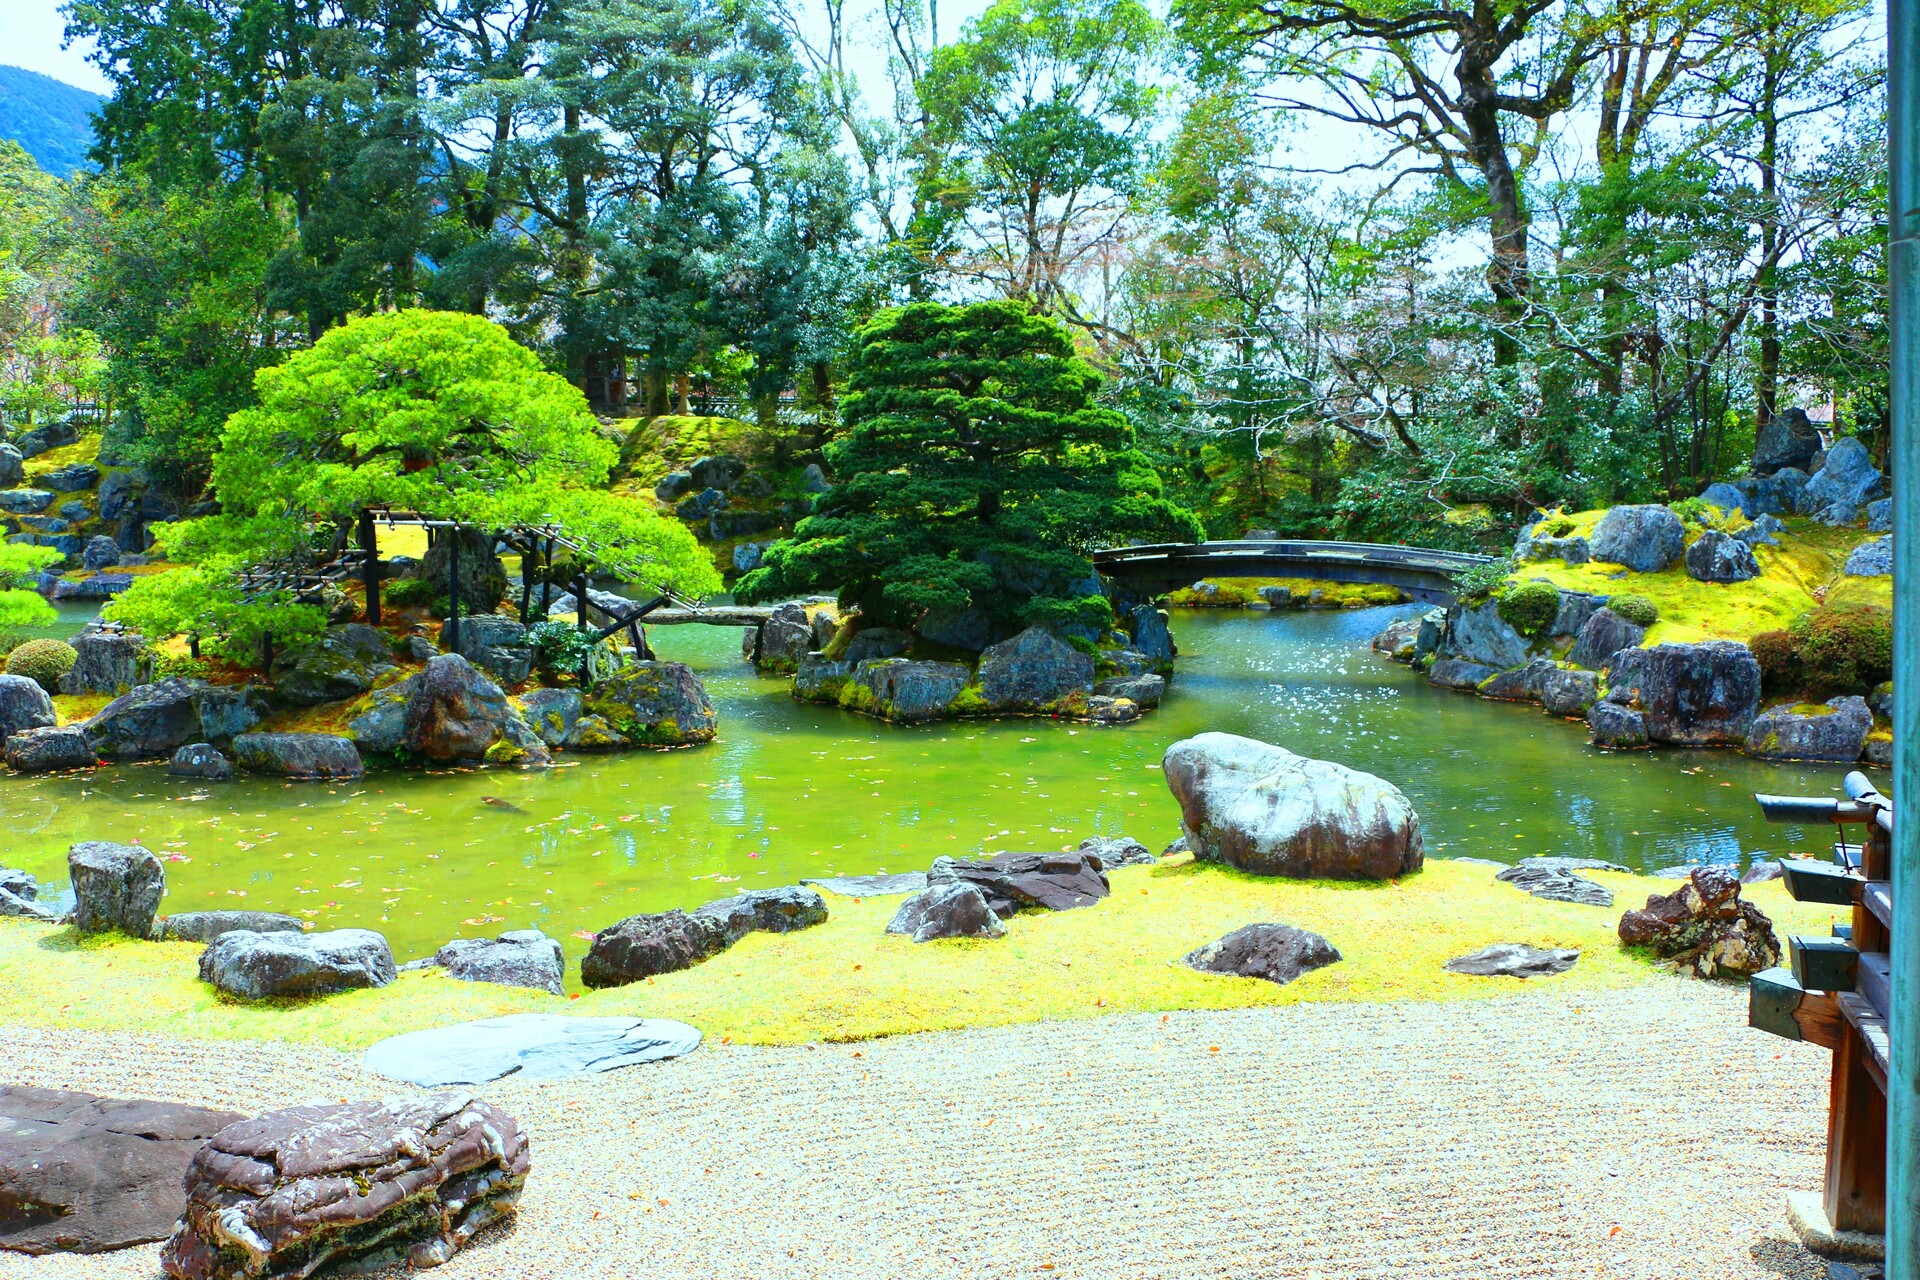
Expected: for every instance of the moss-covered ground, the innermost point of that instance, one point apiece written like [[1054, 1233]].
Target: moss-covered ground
[[1243, 593], [1804, 570], [849, 980]]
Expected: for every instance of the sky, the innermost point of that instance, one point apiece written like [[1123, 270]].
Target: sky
[[30, 36]]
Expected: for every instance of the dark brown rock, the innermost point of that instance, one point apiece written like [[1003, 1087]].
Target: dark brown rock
[[950, 909], [360, 1183], [1012, 881], [82, 1174], [1704, 927], [1277, 953], [642, 946]]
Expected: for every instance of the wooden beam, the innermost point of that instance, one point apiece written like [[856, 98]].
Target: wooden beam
[[1780, 1006]]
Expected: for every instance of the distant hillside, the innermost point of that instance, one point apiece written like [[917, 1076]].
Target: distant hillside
[[48, 118]]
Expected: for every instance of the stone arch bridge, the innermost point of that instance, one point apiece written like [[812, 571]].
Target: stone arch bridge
[[1422, 573]]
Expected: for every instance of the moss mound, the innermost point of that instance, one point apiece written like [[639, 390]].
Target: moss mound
[[43, 662]]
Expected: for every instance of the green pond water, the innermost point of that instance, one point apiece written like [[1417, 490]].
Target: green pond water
[[790, 790]]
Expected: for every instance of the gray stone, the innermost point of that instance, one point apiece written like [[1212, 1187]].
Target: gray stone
[[344, 663], [421, 649], [1032, 671], [876, 642], [644, 946], [673, 486], [1721, 557], [1522, 684], [73, 478], [1761, 872], [25, 502], [449, 711], [81, 1174], [698, 506], [1458, 673], [115, 886], [1126, 663], [1556, 880], [1276, 953], [787, 909], [1433, 632], [1604, 634], [1569, 693], [1837, 735], [814, 480], [24, 705], [1275, 597], [105, 662], [1645, 538], [101, 586], [1263, 809], [1880, 516], [118, 496], [483, 578], [1845, 484], [748, 555], [874, 886], [908, 691], [1144, 691], [1514, 960], [1761, 532], [528, 1047], [1398, 636], [753, 485], [75, 510], [254, 966], [1871, 559], [551, 713], [517, 958], [721, 472], [819, 678], [205, 926], [949, 909], [101, 553], [298, 755], [1728, 498], [19, 894], [1016, 881], [49, 750], [344, 1188], [1788, 440], [1118, 851], [968, 628], [1103, 709], [1151, 637], [784, 639], [200, 760], [656, 704], [1616, 728], [1690, 694], [12, 466], [1479, 634], [496, 644], [1881, 700]]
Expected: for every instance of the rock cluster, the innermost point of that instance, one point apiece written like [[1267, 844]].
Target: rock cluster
[[1705, 928], [1689, 694], [367, 1183], [448, 712]]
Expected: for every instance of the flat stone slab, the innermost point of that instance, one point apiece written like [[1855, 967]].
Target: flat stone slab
[[872, 886], [528, 1046], [1514, 960]]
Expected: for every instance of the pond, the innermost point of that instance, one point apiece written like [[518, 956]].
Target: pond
[[790, 790]]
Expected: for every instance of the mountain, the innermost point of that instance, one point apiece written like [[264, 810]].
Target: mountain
[[50, 119]]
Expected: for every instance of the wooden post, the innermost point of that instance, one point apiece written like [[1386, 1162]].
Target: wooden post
[[580, 623], [1856, 1192], [453, 591], [526, 579], [370, 565]]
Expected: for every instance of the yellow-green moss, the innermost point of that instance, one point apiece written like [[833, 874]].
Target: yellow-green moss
[[970, 701], [1242, 593], [85, 449], [855, 696], [849, 979], [71, 708]]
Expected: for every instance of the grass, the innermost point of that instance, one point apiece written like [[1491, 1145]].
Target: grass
[[1794, 576], [85, 449], [1241, 593], [849, 980]]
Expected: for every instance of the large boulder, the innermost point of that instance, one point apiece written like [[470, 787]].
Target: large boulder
[[877, 642], [12, 466], [1569, 693], [1398, 638], [115, 886], [254, 966], [1835, 732], [1144, 691], [1880, 516], [1459, 673], [1705, 928], [24, 705], [49, 750], [642, 946], [1276, 953], [298, 755], [1690, 694], [1522, 684], [483, 578], [1644, 538], [200, 760], [900, 689], [347, 1186], [1871, 559], [1843, 487], [448, 712], [1016, 881], [1729, 498], [1616, 728], [661, 704], [25, 502], [496, 644], [1721, 557], [105, 662], [721, 472], [1478, 634], [82, 1174], [1604, 634], [343, 663], [552, 713], [1788, 440], [205, 926], [75, 477], [101, 553], [787, 909], [1032, 671], [1263, 809], [784, 639], [517, 958], [950, 909], [1148, 626], [149, 722], [970, 628]]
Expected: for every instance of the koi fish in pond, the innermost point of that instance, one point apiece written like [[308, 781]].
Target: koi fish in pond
[[498, 803]]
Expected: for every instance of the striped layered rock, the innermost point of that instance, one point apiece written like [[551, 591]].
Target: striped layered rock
[[361, 1184]]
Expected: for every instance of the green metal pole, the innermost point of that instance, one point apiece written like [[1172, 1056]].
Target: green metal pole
[[1903, 1077]]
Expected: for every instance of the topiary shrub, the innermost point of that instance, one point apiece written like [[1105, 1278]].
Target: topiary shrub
[[1842, 647], [559, 648], [43, 662], [1636, 609], [1530, 607], [1779, 660], [405, 593]]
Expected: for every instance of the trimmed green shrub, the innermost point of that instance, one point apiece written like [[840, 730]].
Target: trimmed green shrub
[[1697, 511], [1558, 527], [559, 648], [405, 593], [43, 662], [1530, 607], [1481, 580], [1779, 660], [1636, 609], [1844, 647]]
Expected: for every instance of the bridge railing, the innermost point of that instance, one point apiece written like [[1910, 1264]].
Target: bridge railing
[[1295, 549]]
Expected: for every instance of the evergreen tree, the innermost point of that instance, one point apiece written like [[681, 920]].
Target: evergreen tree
[[977, 471]]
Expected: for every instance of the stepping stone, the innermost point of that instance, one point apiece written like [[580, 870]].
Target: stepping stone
[[528, 1046], [1513, 960], [872, 886], [80, 1174]]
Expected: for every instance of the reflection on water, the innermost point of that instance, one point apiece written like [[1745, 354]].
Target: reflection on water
[[791, 791]]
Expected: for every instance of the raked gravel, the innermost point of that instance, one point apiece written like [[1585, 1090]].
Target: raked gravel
[[1642, 1133]]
